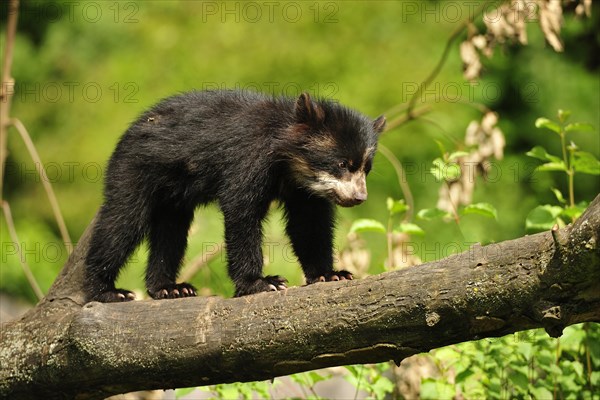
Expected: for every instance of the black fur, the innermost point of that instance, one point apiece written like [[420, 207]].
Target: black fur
[[243, 150]]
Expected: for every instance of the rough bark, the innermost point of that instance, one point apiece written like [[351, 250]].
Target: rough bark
[[64, 348]]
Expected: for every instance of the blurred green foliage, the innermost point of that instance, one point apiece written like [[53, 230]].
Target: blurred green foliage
[[85, 70]]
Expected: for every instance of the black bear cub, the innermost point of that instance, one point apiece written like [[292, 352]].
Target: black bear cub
[[242, 150]]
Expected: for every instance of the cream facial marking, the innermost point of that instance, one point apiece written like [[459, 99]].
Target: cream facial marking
[[348, 191]]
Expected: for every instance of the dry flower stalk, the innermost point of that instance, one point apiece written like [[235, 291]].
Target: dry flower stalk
[[507, 24], [487, 141]]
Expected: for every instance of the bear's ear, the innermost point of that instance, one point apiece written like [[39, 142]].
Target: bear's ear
[[379, 124], [307, 111]]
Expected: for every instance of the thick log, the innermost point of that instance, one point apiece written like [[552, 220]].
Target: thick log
[[65, 349]]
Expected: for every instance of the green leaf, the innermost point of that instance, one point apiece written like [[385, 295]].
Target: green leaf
[[548, 124], [445, 171], [552, 166], [541, 154], [457, 154], [580, 127], [572, 147], [438, 169], [526, 349], [545, 356], [429, 214], [448, 355], [519, 379], [494, 387], [542, 218], [577, 367], [555, 369], [558, 195], [381, 387], [428, 389], [367, 225], [396, 206], [595, 378], [462, 376], [452, 172], [244, 390], [563, 115], [316, 377], [261, 389], [572, 338], [586, 163], [411, 229], [180, 392], [575, 211], [541, 393], [228, 391], [485, 209]]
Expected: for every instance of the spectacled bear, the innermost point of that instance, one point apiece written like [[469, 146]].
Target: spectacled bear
[[243, 150]]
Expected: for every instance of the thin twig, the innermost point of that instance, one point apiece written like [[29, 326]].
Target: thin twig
[[446, 134], [588, 360], [45, 182], [401, 120], [358, 380], [13, 235], [387, 153], [390, 243], [557, 363], [457, 32], [7, 88]]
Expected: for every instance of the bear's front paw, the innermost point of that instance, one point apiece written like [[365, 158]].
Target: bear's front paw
[[270, 283], [114, 296], [330, 276], [173, 291]]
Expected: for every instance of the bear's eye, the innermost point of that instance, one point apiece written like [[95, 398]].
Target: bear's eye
[[343, 164]]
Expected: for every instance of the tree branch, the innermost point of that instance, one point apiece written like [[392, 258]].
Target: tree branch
[[62, 350], [436, 70]]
